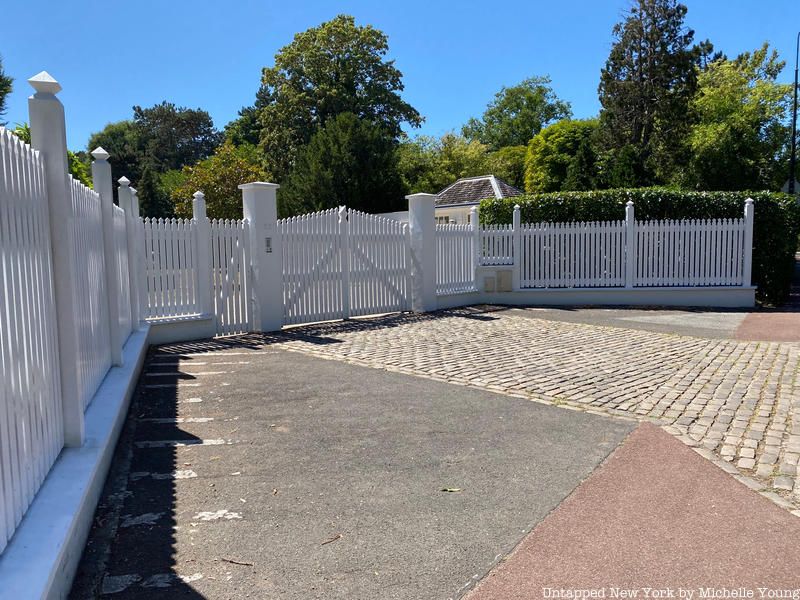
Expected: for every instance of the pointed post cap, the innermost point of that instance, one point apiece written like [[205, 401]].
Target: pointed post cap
[[124, 181], [516, 207], [100, 154], [198, 195], [44, 83]]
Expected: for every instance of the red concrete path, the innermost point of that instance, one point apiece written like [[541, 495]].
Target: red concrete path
[[656, 514], [778, 325]]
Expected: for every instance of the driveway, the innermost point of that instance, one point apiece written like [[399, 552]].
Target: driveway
[[246, 471], [739, 400]]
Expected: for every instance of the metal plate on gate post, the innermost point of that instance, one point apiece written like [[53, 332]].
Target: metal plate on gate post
[[268, 245]]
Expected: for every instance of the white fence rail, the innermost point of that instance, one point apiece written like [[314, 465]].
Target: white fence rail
[[230, 260], [690, 253], [170, 246], [556, 255], [94, 349], [31, 426], [457, 253]]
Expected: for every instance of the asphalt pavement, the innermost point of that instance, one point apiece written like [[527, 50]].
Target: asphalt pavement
[[252, 472]]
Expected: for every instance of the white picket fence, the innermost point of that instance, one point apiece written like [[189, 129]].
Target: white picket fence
[[31, 426], [36, 414], [690, 253], [170, 247], [572, 255], [629, 253], [343, 263], [457, 255], [497, 244], [94, 346], [230, 260]]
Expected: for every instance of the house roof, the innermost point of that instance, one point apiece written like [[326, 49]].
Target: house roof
[[471, 190]]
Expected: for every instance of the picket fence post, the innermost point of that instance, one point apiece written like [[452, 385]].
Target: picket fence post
[[205, 280], [344, 248], [422, 227], [134, 247], [475, 228], [141, 280], [49, 137], [101, 178], [630, 244], [516, 248], [747, 272], [266, 254]]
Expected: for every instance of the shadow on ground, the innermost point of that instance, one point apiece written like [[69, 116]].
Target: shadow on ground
[[138, 500]]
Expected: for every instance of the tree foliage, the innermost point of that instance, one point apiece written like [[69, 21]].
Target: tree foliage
[[429, 164], [517, 114], [646, 88], [335, 68], [508, 164], [6, 85], [157, 140], [245, 129], [349, 161], [171, 137], [121, 141], [741, 131], [560, 155], [218, 177]]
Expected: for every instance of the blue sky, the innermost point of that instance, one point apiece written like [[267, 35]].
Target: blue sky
[[109, 55]]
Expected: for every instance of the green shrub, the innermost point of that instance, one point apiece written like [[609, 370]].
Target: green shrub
[[775, 230]]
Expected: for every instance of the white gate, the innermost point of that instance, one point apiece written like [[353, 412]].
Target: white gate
[[230, 260], [345, 263]]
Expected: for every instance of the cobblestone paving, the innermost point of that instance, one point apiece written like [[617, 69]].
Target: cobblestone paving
[[738, 401]]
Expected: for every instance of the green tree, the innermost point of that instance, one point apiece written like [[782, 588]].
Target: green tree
[[646, 88], [121, 141], [582, 169], [517, 114], [157, 140], [508, 164], [554, 150], [218, 177], [245, 129], [335, 68], [6, 85], [742, 132], [429, 164], [349, 161], [153, 200], [172, 137]]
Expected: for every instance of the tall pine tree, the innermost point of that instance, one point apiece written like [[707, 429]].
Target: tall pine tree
[[646, 88]]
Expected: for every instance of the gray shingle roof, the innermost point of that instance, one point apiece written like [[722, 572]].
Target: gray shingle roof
[[471, 190]]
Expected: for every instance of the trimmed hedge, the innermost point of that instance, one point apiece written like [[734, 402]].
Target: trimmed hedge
[[775, 230]]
